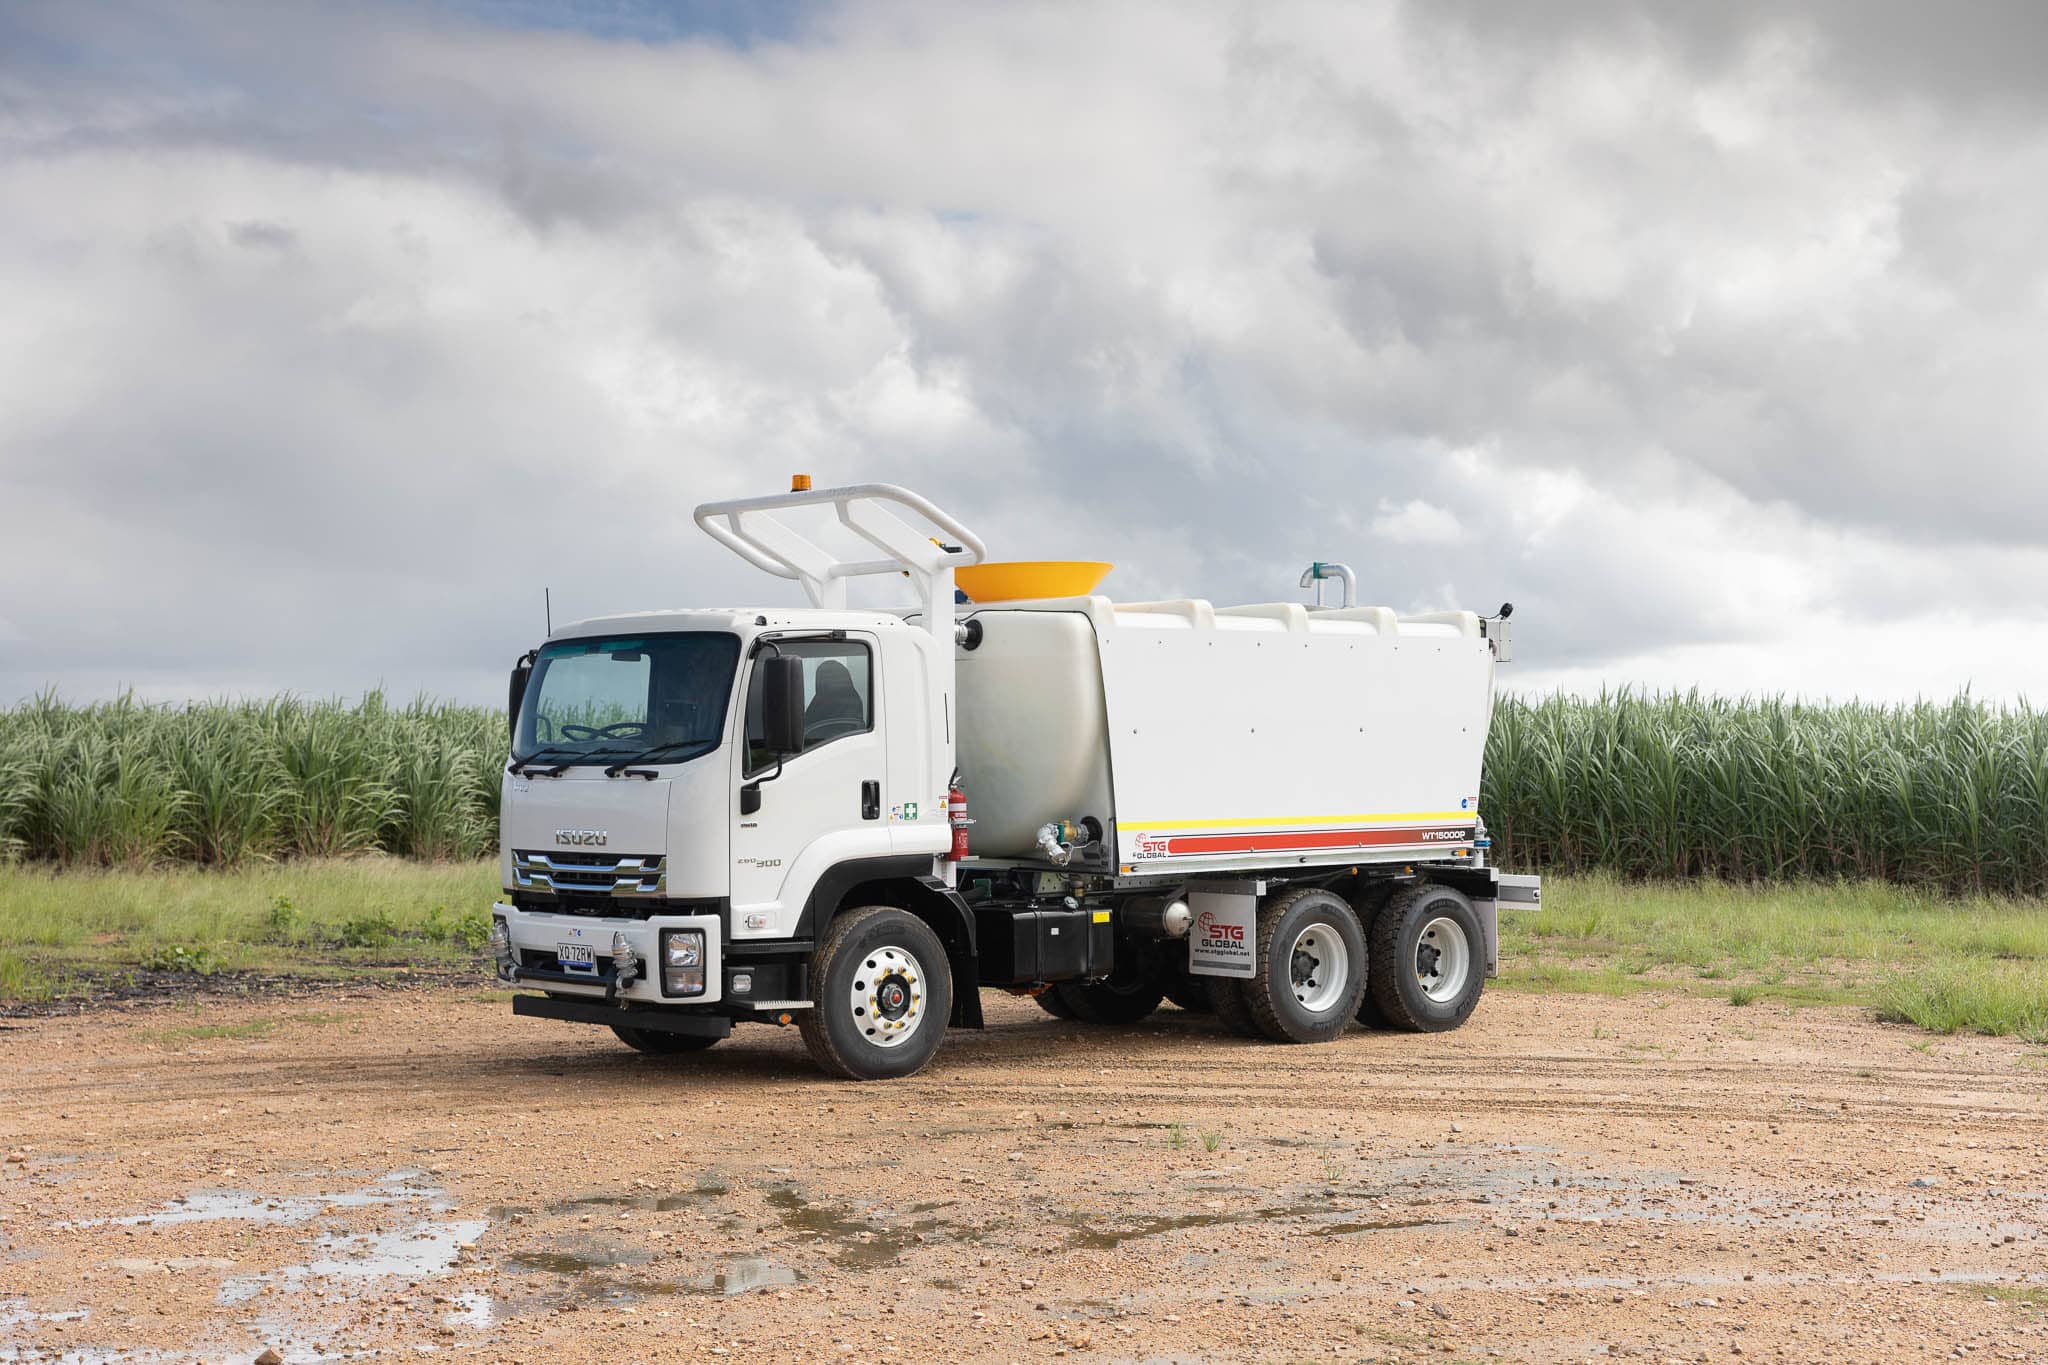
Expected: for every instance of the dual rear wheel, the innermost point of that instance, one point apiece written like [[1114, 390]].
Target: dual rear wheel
[[1416, 962]]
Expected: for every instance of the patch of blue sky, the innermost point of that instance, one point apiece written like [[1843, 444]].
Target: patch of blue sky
[[738, 23]]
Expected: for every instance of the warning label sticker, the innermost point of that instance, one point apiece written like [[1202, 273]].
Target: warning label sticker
[[1222, 939]]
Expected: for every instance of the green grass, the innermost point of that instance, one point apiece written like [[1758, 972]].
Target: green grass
[[327, 915], [1975, 964], [1998, 998], [1947, 965], [202, 1033]]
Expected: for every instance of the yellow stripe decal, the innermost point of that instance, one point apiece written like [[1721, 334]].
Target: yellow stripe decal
[[1277, 821]]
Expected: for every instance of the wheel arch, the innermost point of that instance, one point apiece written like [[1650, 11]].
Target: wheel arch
[[908, 885]]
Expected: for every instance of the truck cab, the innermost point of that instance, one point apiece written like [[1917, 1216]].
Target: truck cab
[[734, 815]]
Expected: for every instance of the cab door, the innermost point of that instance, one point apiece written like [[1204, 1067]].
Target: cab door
[[820, 806]]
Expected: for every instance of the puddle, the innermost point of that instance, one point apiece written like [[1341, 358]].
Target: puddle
[[414, 1253], [209, 1206], [1387, 1225], [15, 1314], [653, 1203], [578, 1258], [856, 1243], [743, 1276], [1090, 1237]]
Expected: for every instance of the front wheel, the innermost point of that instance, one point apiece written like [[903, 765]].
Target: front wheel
[[882, 991], [661, 1043], [1428, 959]]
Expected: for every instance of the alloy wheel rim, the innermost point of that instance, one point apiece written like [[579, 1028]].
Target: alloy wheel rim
[[887, 997]]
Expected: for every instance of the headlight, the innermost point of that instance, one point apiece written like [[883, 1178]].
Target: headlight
[[682, 962]]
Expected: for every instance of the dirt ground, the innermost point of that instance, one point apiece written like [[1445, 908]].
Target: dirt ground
[[1567, 1178]]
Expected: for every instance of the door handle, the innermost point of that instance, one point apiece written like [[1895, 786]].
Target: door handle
[[871, 800]]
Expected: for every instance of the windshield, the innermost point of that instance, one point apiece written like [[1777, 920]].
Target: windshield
[[605, 697]]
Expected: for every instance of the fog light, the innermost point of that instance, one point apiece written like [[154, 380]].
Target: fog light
[[742, 982], [501, 946], [682, 961], [625, 966]]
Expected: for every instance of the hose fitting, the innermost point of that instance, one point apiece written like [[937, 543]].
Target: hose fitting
[[1058, 838]]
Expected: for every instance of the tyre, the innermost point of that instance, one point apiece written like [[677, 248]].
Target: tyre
[[881, 991], [660, 1043], [1109, 1001], [1226, 999], [1368, 900], [1185, 989], [1052, 1002], [1428, 959], [1312, 967]]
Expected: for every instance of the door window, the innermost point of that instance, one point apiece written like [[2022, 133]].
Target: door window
[[838, 697]]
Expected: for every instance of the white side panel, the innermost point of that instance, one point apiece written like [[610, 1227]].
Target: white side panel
[[1277, 736]]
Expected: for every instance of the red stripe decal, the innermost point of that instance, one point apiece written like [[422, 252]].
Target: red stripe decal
[[1304, 840]]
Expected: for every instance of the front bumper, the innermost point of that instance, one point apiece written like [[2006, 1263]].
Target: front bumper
[[539, 934]]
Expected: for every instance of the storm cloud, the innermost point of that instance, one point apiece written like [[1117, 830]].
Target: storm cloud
[[1709, 335]]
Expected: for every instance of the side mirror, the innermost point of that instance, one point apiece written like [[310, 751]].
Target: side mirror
[[782, 704], [515, 694]]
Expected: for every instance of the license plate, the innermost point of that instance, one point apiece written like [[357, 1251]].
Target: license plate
[[576, 957]]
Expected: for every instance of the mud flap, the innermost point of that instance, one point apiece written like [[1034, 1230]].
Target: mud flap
[[1223, 939]]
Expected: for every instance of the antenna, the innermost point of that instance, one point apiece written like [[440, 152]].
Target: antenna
[[547, 603]]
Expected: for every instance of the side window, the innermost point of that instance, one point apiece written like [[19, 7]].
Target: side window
[[838, 697]]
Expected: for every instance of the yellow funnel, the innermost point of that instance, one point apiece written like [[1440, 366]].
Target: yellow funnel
[[1030, 578]]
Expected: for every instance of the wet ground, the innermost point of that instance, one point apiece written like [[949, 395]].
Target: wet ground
[[1567, 1178]]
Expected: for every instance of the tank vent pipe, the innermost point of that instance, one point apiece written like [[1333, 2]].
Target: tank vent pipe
[[1316, 574]]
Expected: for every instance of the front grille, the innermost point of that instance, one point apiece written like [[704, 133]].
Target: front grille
[[624, 876]]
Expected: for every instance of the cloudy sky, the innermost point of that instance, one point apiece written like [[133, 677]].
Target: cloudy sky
[[1713, 336]]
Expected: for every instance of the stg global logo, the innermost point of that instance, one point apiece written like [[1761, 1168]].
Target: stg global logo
[[1210, 930]]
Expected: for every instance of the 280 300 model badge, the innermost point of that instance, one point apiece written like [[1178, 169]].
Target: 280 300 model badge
[[586, 837]]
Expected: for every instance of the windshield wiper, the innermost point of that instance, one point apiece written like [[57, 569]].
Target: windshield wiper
[[625, 765], [522, 766]]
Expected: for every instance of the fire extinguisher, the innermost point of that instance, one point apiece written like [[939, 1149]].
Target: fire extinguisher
[[956, 816]]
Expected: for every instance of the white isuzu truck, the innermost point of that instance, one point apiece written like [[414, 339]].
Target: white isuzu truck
[[854, 820]]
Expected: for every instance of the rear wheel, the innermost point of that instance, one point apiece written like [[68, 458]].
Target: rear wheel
[[882, 992], [1129, 993], [1428, 959], [1368, 900], [1052, 1002], [1226, 998], [1311, 961], [1183, 987], [659, 1043]]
